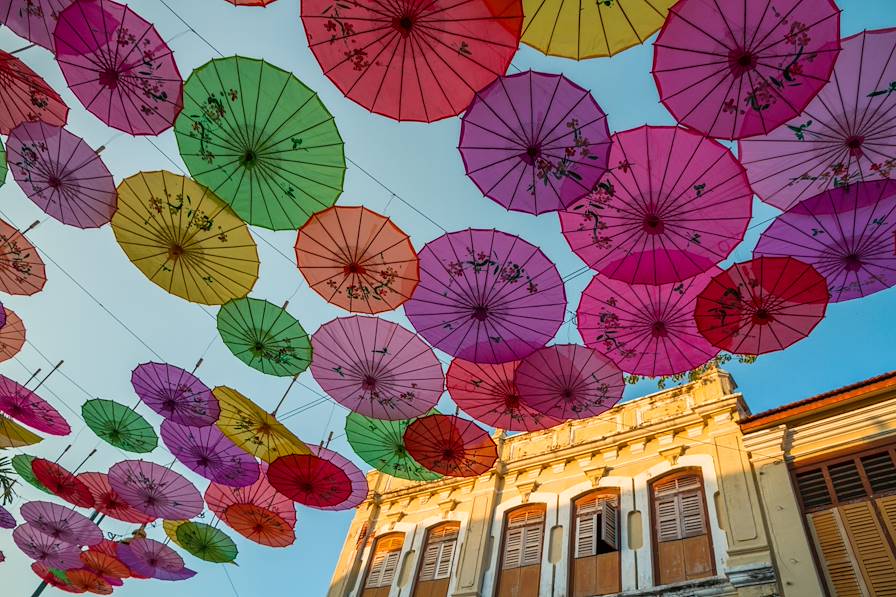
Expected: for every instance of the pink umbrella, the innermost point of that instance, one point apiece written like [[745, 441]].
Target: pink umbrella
[[741, 67], [123, 73], [61, 523], [155, 490], [175, 394], [261, 494], [27, 407], [567, 381], [486, 296], [151, 559], [62, 174], [7, 521], [846, 134], [45, 549], [376, 368], [33, 19], [208, 452], [109, 503], [674, 204], [646, 330]]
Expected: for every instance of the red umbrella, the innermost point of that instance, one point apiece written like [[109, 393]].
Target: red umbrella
[[417, 60], [109, 503], [323, 480], [27, 407], [62, 483], [762, 305], [22, 271], [12, 335], [45, 573], [450, 446], [26, 97]]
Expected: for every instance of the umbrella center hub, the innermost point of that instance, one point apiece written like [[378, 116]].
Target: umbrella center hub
[[258, 347], [175, 251], [653, 224], [532, 153], [203, 461], [480, 313], [741, 61], [249, 159], [368, 383], [54, 182], [852, 263], [567, 393], [449, 454], [659, 330], [109, 78], [854, 144], [762, 316], [404, 24], [306, 486], [511, 401], [169, 404], [354, 268]]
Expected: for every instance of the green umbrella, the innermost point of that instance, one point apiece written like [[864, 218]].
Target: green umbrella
[[3, 167], [265, 336], [381, 445], [206, 542], [119, 426], [261, 140], [22, 465]]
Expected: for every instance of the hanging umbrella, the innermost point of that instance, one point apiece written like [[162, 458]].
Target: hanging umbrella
[[534, 142], [27, 407], [264, 336], [22, 271], [62, 175], [420, 61], [13, 435], [26, 97], [206, 542], [184, 238], [61, 523], [3, 166], [674, 204], [88, 582], [176, 394], [846, 134], [209, 453], [450, 446], [762, 305], [152, 559], [486, 296], [21, 463], [45, 549], [260, 525], [323, 479], [170, 527], [120, 426], [12, 334], [124, 74], [106, 565], [62, 483], [107, 502], [357, 259], [32, 19], [53, 577], [488, 393], [845, 233], [155, 490], [646, 330], [7, 521], [381, 445], [567, 381], [741, 69], [376, 367], [261, 140]]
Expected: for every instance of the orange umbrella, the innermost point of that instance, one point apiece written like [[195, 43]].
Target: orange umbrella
[[21, 268], [12, 336], [357, 259], [89, 582], [260, 525]]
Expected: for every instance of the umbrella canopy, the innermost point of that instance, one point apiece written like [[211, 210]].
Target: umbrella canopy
[[13, 435], [62, 483], [104, 564], [118, 66], [32, 19], [762, 305], [184, 238], [119, 425], [88, 582], [744, 70], [220, 498], [176, 394], [206, 542], [53, 577], [420, 60], [7, 520], [170, 527], [376, 367], [488, 393], [486, 296], [846, 134], [106, 501], [211, 454], [152, 559], [381, 445], [261, 140], [155, 490], [323, 479], [646, 330], [534, 142], [643, 225], [260, 525], [567, 381], [357, 259], [45, 549], [62, 175], [450, 446], [26, 97], [845, 233], [12, 335], [27, 407], [22, 271], [264, 336], [4, 168], [61, 523], [21, 463]]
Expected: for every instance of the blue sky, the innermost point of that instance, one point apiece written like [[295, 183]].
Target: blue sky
[[102, 317]]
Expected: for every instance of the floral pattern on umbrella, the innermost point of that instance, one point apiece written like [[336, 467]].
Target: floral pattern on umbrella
[[106, 501], [12, 335], [451, 446], [381, 445], [45, 549], [62, 483], [176, 394], [33, 19], [209, 453], [155, 490], [61, 523], [22, 271], [26, 97], [119, 426]]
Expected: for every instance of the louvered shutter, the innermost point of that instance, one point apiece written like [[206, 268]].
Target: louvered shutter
[[609, 534], [668, 524], [870, 546], [430, 559], [513, 543], [384, 562], [532, 545], [446, 557], [692, 519], [678, 505], [835, 554], [376, 571], [585, 536]]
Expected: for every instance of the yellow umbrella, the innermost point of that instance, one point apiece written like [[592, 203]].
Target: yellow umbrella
[[254, 430], [579, 30], [13, 435], [184, 238], [170, 527]]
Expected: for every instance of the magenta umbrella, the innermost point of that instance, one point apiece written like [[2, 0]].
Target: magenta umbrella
[[846, 234], [741, 68], [61, 523], [118, 66], [376, 368], [534, 142], [567, 381], [45, 549], [358, 479], [208, 452], [674, 204], [25, 406], [846, 134], [647, 330], [486, 296], [155, 490], [175, 394], [7, 521], [33, 19], [150, 559], [62, 174]]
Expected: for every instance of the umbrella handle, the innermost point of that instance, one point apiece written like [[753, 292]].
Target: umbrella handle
[[52, 371], [279, 404]]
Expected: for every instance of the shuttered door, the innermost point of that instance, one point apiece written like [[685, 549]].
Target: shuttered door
[[520, 571], [438, 558], [383, 565], [595, 565], [683, 547], [871, 548], [835, 554]]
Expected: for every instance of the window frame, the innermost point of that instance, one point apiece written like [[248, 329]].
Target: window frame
[[574, 530], [505, 527], [372, 556], [423, 547], [824, 463]]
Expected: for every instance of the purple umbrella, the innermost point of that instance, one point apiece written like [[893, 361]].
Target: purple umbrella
[[150, 559], [62, 174], [45, 549], [486, 296], [61, 523], [208, 452], [846, 233], [175, 394], [376, 368], [155, 490], [7, 521], [33, 19], [534, 142]]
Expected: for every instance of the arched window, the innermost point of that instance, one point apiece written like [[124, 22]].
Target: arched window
[[521, 548], [681, 537], [383, 565], [437, 561], [595, 561]]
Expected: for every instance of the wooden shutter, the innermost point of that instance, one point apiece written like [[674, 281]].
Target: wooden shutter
[[609, 533], [586, 544], [678, 505], [430, 559], [532, 543], [384, 561], [513, 548], [871, 547], [445, 559], [376, 571], [835, 554], [523, 539], [439, 553]]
